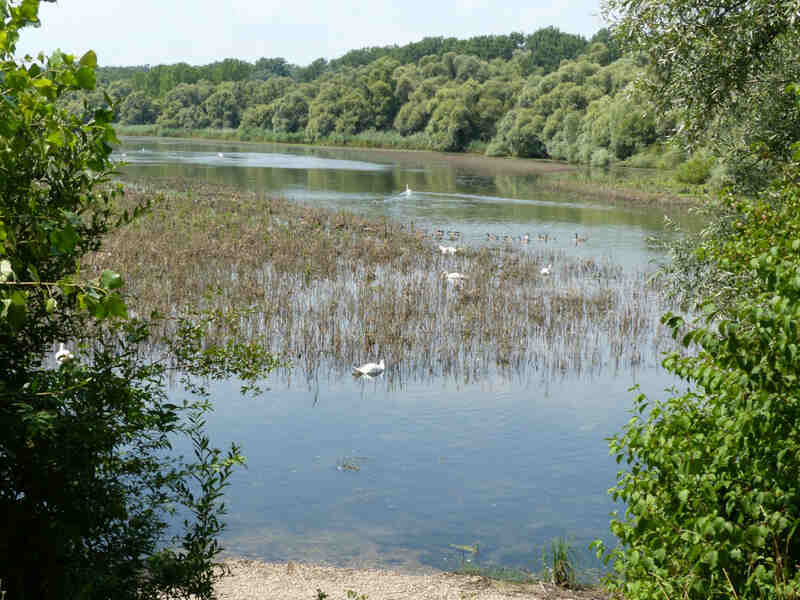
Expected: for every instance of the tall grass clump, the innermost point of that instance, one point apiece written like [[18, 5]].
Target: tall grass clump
[[559, 563]]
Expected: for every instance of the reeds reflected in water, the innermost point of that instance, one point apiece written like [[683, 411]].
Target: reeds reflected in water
[[331, 289]]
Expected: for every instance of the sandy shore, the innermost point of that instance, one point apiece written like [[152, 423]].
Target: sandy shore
[[254, 580]]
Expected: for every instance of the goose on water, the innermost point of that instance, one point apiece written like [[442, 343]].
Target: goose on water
[[453, 276], [578, 239], [547, 270], [63, 354], [370, 369]]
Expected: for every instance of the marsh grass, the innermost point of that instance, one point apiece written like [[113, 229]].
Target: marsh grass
[[559, 563], [330, 289]]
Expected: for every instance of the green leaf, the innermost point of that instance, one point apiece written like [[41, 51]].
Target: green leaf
[[115, 306], [85, 78], [89, 60], [64, 240], [111, 280], [42, 83], [56, 138]]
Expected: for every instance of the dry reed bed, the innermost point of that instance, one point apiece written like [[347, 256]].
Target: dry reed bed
[[329, 289]]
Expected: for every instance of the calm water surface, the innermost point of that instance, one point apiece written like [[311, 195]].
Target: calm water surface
[[509, 462]]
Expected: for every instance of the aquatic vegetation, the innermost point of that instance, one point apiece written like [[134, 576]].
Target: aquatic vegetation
[[330, 289], [559, 563], [464, 549]]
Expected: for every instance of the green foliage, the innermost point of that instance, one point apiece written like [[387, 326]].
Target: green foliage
[[550, 46], [696, 170], [87, 481], [484, 93], [711, 490], [723, 69], [290, 112], [137, 109]]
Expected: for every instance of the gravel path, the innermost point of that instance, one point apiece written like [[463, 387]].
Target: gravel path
[[254, 580]]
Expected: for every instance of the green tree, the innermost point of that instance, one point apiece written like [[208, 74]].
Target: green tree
[[265, 68], [519, 133], [721, 65], [138, 108], [258, 116], [222, 108], [711, 493], [291, 112], [183, 106], [549, 46], [87, 480]]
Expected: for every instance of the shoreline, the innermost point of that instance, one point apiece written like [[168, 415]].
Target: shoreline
[[255, 580]]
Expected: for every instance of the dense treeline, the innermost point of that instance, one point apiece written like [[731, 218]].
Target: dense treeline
[[547, 94]]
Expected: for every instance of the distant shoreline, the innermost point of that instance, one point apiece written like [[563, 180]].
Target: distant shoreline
[[549, 170]]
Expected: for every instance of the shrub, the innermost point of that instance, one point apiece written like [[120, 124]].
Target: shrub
[[696, 170], [600, 158], [711, 490], [87, 481]]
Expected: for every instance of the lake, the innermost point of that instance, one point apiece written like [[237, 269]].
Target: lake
[[393, 471]]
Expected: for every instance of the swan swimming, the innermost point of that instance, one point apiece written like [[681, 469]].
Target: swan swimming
[[448, 249], [453, 276], [408, 190], [547, 270], [63, 354], [370, 369]]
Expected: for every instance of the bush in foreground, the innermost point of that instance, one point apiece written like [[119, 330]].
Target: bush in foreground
[[711, 490], [88, 484]]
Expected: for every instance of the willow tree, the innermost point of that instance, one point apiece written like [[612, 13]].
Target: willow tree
[[724, 66]]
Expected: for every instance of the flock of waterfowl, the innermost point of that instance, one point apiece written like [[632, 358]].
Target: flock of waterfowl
[[372, 369]]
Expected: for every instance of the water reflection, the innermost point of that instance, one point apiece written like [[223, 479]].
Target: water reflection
[[509, 459], [481, 198]]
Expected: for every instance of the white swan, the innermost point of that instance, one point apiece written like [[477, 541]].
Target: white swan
[[408, 190], [220, 154], [453, 276], [448, 249], [63, 354], [370, 369], [546, 270]]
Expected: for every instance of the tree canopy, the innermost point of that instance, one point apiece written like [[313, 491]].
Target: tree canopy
[[723, 66]]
